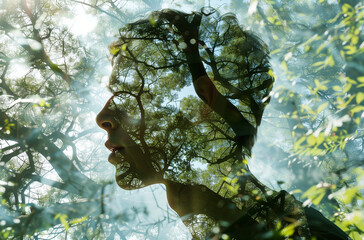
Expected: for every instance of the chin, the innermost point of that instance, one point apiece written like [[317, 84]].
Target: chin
[[131, 187], [132, 182], [129, 182], [128, 178]]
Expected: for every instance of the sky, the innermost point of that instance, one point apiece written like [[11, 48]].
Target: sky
[[83, 24]]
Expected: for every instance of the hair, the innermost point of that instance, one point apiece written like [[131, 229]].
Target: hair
[[191, 45]]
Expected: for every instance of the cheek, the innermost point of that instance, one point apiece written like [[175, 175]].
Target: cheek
[[133, 122]]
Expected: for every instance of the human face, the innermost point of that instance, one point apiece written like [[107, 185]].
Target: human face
[[134, 168]]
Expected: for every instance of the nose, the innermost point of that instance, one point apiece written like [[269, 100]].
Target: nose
[[106, 118]]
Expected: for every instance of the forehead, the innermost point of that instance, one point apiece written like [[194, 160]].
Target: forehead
[[133, 74], [115, 59]]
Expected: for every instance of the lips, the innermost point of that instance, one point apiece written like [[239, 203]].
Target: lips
[[112, 147], [116, 153], [124, 174], [118, 159]]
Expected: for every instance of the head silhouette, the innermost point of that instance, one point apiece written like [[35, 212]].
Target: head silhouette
[[197, 145], [154, 134]]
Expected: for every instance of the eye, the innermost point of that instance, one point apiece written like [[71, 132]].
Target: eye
[[126, 107]]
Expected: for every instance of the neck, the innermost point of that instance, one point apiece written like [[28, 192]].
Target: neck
[[198, 199]]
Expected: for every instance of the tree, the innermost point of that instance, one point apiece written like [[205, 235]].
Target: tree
[[319, 98], [49, 182], [316, 108], [142, 140]]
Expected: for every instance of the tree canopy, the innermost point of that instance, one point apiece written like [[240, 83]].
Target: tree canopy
[[53, 164]]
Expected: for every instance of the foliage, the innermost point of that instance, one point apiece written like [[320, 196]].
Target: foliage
[[53, 180], [319, 95], [178, 133], [51, 185]]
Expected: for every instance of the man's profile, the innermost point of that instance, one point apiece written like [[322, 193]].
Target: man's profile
[[197, 147]]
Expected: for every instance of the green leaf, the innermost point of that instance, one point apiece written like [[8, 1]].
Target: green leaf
[[322, 107], [271, 19], [345, 104], [330, 61], [78, 220], [152, 21], [315, 194], [289, 230], [361, 79], [350, 49], [318, 64], [342, 54], [347, 87], [348, 194], [295, 191], [336, 88], [6, 234], [114, 50], [42, 102], [318, 198], [276, 51], [357, 109], [311, 140], [284, 66], [320, 139], [309, 192], [63, 220], [346, 8], [359, 97], [359, 172]]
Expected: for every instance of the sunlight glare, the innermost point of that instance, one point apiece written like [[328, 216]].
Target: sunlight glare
[[18, 68], [81, 25]]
